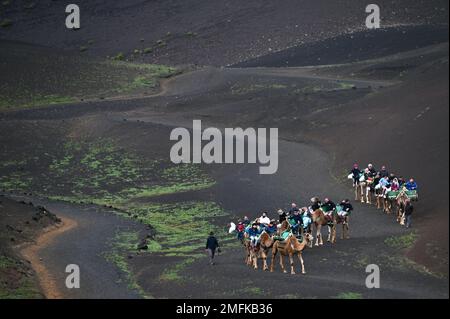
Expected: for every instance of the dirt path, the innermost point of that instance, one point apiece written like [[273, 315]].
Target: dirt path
[[83, 239], [31, 253]]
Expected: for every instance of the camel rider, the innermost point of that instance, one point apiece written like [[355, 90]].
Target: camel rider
[[240, 228], [246, 221], [383, 184], [328, 206], [306, 218], [372, 171], [271, 228], [375, 182], [293, 209], [383, 172], [391, 177], [295, 220], [264, 220], [395, 185], [355, 173], [401, 181], [253, 234], [411, 185], [347, 208], [315, 203], [281, 216]]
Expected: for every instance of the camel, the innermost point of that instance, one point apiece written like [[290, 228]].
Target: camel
[[319, 219], [366, 195], [260, 251], [344, 220], [290, 247], [401, 203], [283, 227], [388, 202]]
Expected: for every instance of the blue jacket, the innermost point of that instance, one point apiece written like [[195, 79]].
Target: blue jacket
[[253, 232], [411, 186], [271, 229]]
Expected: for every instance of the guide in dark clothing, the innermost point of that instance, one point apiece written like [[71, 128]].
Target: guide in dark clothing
[[212, 244]]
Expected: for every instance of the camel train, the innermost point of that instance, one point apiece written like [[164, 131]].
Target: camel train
[[387, 192], [285, 244], [391, 196]]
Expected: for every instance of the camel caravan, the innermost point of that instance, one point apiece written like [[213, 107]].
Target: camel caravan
[[302, 227], [389, 192], [291, 233]]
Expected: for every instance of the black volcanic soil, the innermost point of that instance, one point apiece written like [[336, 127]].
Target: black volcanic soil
[[204, 32], [390, 110], [354, 47]]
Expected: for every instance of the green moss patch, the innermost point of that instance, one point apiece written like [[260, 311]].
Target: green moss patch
[[402, 242]]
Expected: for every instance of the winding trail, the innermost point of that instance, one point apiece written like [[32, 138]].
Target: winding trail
[[83, 238], [31, 253]]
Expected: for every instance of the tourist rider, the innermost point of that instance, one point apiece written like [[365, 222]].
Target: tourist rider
[[383, 184], [395, 185], [347, 207], [293, 209], [271, 228], [372, 171], [253, 234], [411, 185], [295, 220], [281, 215], [264, 220], [306, 219], [240, 228], [383, 172], [246, 221], [315, 204], [328, 205]]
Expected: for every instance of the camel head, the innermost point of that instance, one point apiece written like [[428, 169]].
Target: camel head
[[308, 238]]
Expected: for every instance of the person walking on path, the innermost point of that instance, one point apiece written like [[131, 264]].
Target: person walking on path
[[409, 208], [212, 244]]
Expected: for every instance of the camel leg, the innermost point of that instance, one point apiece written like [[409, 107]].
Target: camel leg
[[368, 195], [248, 258], [320, 237], [333, 233], [272, 262], [345, 229], [291, 260], [264, 258], [281, 263], [317, 235], [301, 262], [362, 193], [347, 224], [329, 234], [255, 260]]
